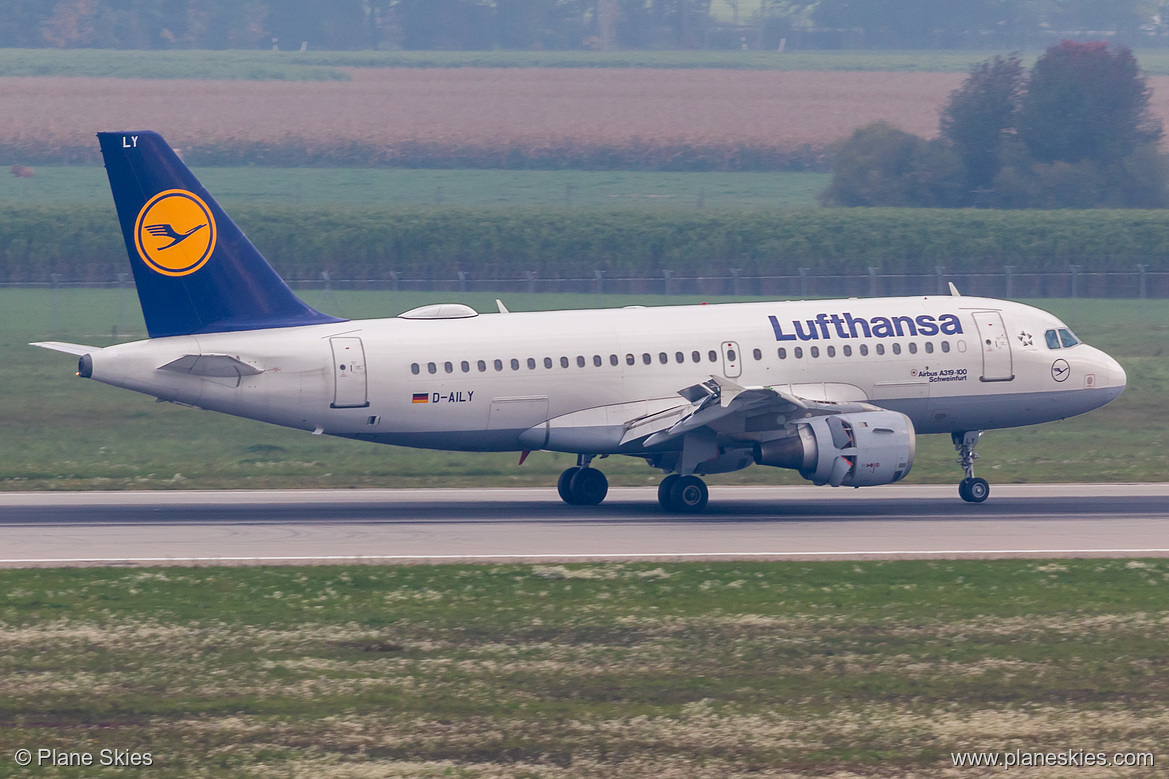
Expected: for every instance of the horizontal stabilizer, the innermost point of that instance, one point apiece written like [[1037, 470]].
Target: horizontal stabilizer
[[68, 348], [219, 366]]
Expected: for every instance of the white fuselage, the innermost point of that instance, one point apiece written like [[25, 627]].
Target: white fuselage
[[501, 381]]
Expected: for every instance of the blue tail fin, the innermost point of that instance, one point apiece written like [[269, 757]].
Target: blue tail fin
[[195, 271]]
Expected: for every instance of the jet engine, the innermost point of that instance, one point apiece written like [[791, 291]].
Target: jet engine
[[855, 450]]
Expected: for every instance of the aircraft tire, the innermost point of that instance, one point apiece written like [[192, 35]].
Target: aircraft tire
[[564, 485], [588, 487], [974, 490], [664, 490], [688, 495]]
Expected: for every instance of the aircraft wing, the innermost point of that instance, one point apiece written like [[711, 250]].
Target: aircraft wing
[[722, 403]]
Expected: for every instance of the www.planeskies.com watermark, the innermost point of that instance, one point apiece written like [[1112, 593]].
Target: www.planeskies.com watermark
[[1067, 758]]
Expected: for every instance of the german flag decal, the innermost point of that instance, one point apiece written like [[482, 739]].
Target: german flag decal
[[421, 397]]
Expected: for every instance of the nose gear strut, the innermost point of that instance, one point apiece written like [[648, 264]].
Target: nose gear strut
[[970, 489]]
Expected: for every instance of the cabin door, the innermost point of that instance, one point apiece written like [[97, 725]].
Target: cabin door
[[350, 388], [732, 360], [997, 364]]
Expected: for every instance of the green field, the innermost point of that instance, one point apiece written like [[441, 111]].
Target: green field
[[626, 671], [60, 432], [469, 188], [331, 65]]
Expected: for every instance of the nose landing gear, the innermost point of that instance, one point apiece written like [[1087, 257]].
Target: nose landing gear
[[970, 489]]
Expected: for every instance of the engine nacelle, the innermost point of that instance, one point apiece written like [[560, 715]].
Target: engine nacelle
[[861, 449]]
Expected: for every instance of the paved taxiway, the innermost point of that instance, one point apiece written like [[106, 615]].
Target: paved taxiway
[[898, 521]]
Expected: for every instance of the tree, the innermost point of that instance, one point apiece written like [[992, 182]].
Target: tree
[[980, 115], [1086, 101], [880, 165]]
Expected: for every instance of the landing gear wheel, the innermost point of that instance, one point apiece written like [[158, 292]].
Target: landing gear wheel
[[974, 490], [688, 495], [588, 487], [564, 485], [664, 490]]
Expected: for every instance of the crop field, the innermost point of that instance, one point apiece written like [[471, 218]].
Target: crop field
[[717, 670], [478, 117], [61, 432], [459, 188]]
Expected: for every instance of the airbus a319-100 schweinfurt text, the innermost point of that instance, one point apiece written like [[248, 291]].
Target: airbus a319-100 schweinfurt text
[[834, 389]]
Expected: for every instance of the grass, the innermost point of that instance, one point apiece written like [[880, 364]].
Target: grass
[[675, 670], [329, 65], [470, 188], [63, 433], [332, 65]]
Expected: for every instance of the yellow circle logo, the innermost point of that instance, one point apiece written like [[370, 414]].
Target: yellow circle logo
[[175, 233]]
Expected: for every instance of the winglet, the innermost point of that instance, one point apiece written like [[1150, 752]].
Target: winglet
[[954, 291], [502, 308]]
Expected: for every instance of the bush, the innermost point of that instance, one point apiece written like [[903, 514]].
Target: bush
[[84, 243], [883, 166]]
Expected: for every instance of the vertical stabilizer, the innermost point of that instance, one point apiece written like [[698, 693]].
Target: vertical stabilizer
[[195, 271]]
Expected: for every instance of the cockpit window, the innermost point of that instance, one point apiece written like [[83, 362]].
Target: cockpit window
[[1066, 337], [1052, 339]]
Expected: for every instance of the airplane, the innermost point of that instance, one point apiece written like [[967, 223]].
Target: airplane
[[836, 390]]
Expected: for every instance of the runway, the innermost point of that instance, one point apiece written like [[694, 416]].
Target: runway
[[388, 526]]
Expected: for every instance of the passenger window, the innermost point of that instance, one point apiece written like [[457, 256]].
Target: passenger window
[[880, 348], [814, 351], [597, 361], [580, 361], [896, 348], [798, 352], [663, 358], [564, 362], [629, 360], [757, 354], [912, 348], [831, 351], [696, 356], [731, 355], [613, 359], [1066, 337], [515, 364], [1052, 339], [864, 350], [782, 353], [548, 362], [929, 347], [945, 346], [465, 366], [498, 365], [679, 357], [482, 366], [713, 355], [847, 350], [431, 367], [415, 369], [531, 363]]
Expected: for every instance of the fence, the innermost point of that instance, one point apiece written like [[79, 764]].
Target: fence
[[1008, 283]]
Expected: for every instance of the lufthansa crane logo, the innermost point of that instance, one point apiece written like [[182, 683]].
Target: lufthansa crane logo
[[175, 233]]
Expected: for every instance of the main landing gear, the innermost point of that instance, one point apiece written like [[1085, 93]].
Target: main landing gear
[[970, 489], [683, 494], [582, 485]]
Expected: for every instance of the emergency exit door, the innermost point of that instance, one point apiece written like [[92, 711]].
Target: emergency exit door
[[350, 389], [997, 364]]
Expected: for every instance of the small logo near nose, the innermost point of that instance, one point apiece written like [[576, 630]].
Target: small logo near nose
[[1060, 370]]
